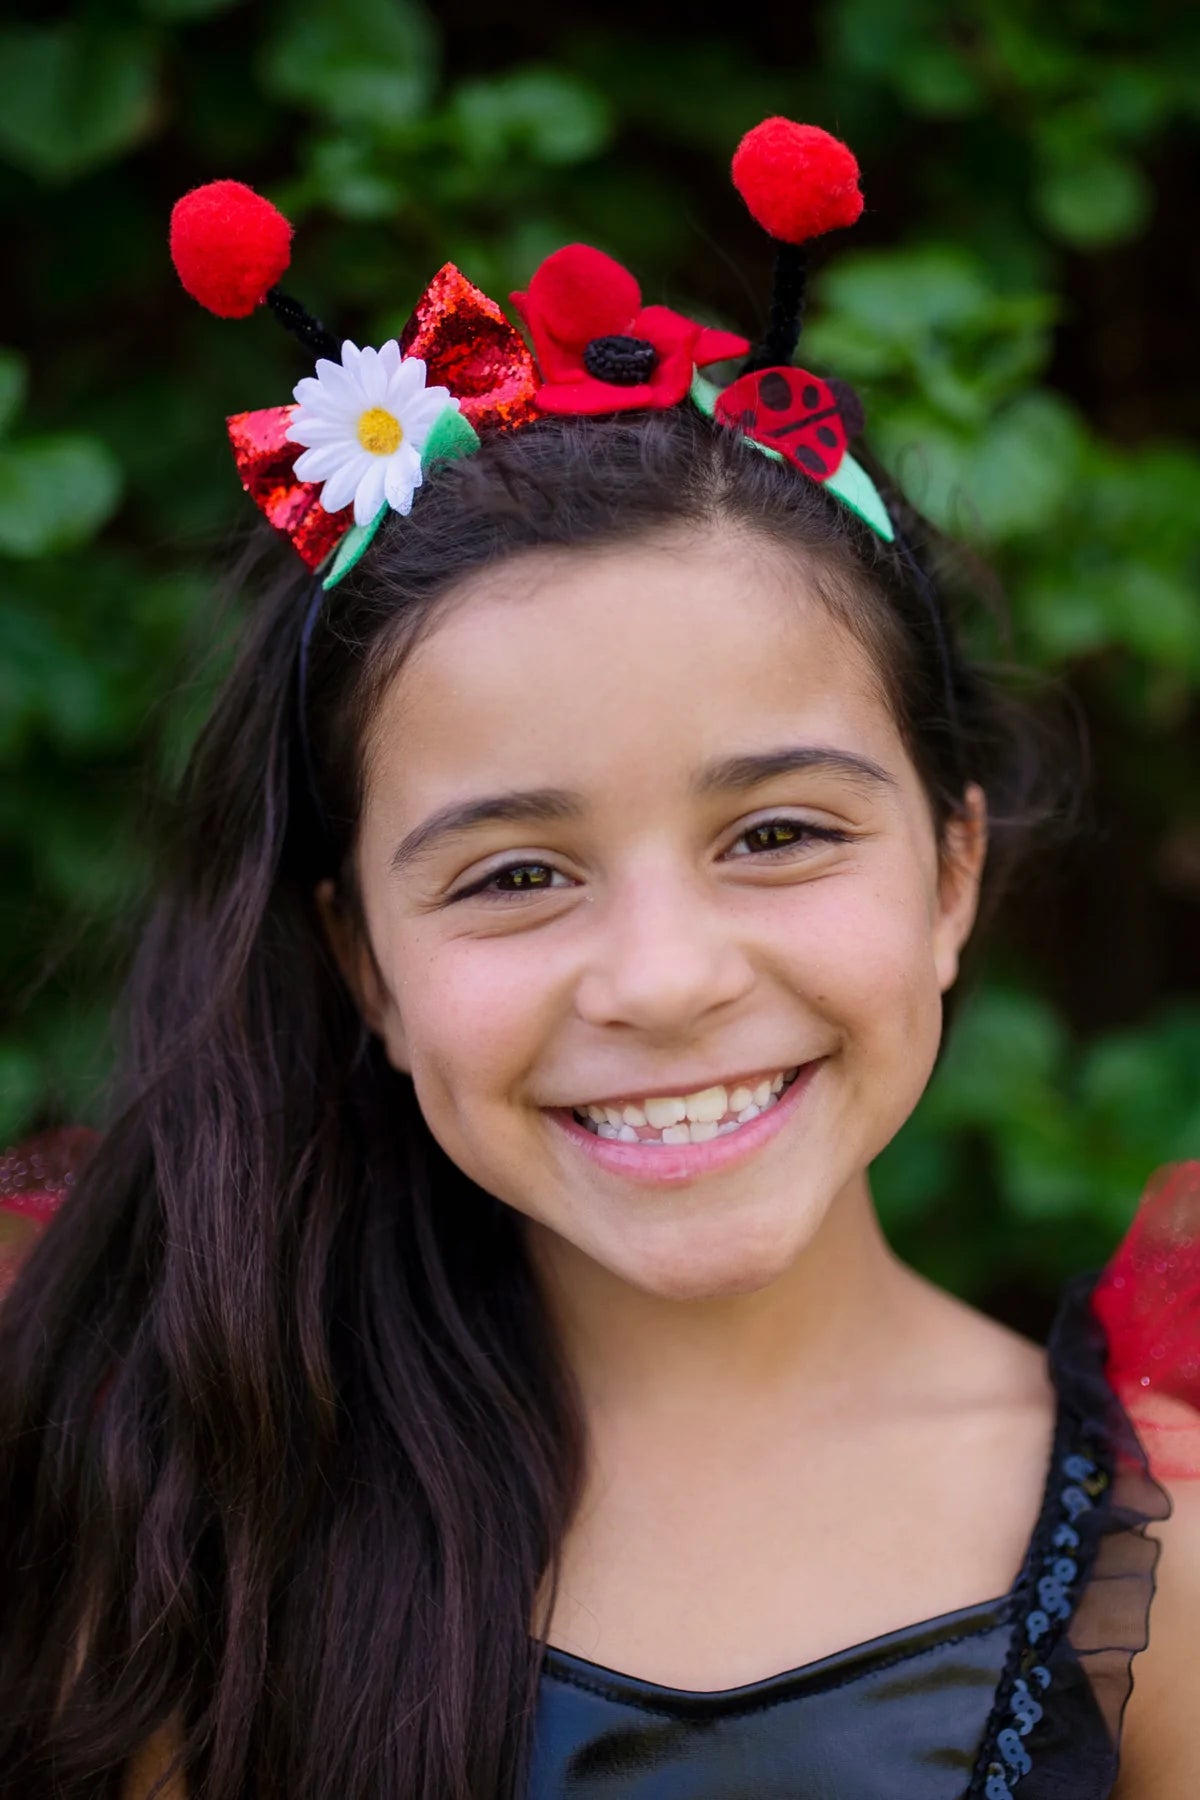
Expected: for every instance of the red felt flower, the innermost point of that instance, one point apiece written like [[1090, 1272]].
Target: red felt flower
[[599, 349]]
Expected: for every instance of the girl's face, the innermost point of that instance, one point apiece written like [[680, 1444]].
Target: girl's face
[[641, 847]]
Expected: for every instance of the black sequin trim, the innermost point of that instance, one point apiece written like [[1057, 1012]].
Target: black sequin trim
[[1059, 1562]]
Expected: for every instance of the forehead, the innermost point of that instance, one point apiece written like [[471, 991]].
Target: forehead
[[642, 661]]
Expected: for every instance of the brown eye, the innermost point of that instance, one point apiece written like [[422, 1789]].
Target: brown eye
[[512, 880], [520, 877], [778, 836]]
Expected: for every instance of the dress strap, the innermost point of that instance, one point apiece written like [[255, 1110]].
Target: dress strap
[[1084, 1593]]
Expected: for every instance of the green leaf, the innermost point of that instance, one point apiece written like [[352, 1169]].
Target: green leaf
[[186, 9], [1025, 466], [1094, 197], [359, 62], [1003, 1058], [75, 96], [900, 297], [13, 382], [546, 113], [21, 1082], [54, 492]]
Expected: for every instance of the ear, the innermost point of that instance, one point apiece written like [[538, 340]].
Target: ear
[[960, 871], [351, 947]]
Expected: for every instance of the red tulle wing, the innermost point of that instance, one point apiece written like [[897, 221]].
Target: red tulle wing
[[34, 1179], [1148, 1300]]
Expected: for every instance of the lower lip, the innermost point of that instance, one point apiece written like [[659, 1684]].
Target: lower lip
[[669, 1165]]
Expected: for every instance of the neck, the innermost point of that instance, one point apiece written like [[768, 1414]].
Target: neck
[[840, 1307]]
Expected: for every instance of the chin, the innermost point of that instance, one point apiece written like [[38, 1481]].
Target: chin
[[682, 1265]]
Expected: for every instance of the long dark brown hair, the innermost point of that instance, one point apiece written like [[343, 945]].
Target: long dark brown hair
[[287, 1446]]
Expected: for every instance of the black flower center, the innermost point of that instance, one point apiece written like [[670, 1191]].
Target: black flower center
[[621, 361]]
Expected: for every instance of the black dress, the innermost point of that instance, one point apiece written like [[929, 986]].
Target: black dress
[[1018, 1698]]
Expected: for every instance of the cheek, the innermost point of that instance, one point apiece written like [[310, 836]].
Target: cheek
[[475, 1013], [867, 953]]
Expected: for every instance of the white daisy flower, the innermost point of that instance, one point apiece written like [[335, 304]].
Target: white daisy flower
[[365, 421]]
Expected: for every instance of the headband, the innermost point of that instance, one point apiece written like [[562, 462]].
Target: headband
[[364, 428]]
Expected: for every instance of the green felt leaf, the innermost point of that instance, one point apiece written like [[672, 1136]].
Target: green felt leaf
[[365, 63], [450, 436], [54, 492], [74, 95], [352, 547], [855, 489], [704, 394], [13, 382]]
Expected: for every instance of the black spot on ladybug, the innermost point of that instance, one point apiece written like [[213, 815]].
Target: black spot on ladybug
[[808, 459], [850, 407], [773, 391], [826, 436], [810, 395]]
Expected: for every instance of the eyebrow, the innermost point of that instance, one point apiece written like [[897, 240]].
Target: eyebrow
[[734, 774]]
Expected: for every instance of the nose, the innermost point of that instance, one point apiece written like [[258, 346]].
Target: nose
[[663, 959]]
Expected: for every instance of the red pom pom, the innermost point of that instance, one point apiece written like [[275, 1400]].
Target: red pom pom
[[229, 246], [797, 180]]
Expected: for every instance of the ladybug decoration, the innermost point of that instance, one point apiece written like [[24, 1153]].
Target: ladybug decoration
[[798, 183], [809, 421]]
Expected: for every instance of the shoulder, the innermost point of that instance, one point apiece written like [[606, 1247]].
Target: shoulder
[[1161, 1744]]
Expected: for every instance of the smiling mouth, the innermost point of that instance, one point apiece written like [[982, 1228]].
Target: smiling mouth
[[697, 1118]]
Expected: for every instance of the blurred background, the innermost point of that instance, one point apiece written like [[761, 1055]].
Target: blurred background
[[1018, 309]]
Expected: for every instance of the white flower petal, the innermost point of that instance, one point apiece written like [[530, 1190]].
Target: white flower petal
[[409, 378], [340, 488], [335, 388], [372, 378], [324, 461], [350, 356], [418, 418], [403, 478], [368, 495], [308, 430], [389, 356]]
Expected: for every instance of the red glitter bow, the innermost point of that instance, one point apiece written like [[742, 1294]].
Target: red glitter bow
[[467, 345]]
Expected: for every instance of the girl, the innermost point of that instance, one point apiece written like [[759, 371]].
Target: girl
[[470, 1364]]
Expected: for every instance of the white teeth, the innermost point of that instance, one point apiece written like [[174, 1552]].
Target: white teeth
[[687, 1118], [709, 1105]]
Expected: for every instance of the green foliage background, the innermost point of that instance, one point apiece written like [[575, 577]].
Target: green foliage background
[[1014, 309]]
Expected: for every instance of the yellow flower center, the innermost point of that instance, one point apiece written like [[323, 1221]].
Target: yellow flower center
[[379, 431]]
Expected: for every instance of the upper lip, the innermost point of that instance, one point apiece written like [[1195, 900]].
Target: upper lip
[[629, 1096]]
